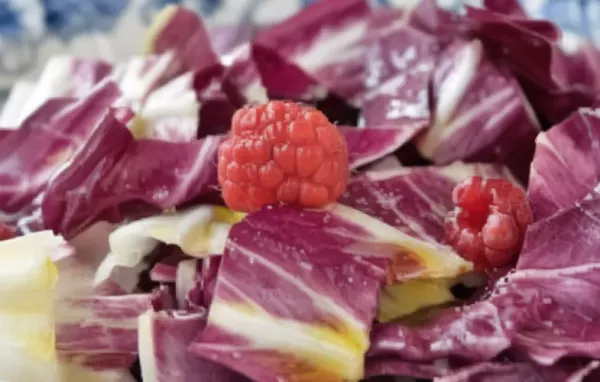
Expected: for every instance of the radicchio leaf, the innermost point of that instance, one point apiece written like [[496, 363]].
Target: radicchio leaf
[[65, 76], [100, 332], [566, 166], [369, 144], [500, 372], [306, 313], [74, 372], [10, 117], [181, 31], [27, 307], [319, 49], [536, 58], [541, 310], [481, 114], [114, 170], [47, 139], [398, 73], [163, 118], [165, 270], [164, 357], [415, 200]]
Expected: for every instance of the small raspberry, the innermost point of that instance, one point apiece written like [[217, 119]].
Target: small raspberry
[[6, 232], [488, 224], [282, 152]]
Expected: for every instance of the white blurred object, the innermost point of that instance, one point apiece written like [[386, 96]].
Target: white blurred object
[[10, 117]]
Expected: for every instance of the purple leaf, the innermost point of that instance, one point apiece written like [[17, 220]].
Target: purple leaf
[[413, 199], [164, 357], [46, 140], [369, 144], [101, 331], [398, 73], [501, 372], [481, 114], [566, 166], [295, 295], [542, 309], [114, 170], [319, 49], [181, 32]]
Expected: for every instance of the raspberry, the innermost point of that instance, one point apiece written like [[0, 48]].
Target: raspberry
[[6, 232], [488, 223], [282, 152]]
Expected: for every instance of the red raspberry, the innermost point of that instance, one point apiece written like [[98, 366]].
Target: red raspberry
[[282, 152], [6, 232], [488, 224]]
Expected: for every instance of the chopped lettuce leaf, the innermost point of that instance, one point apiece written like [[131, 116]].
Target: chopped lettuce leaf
[[186, 278], [161, 118], [399, 69], [536, 58], [295, 296], [402, 299], [198, 231], [163, 339], [71, 372], [410, 257], [100, 332], [165, 270], [319, 49], [481, 113], [27, 308], [384, 195], [541, 310], [500, 372], [566, 166], [65, 76], [113, 171], [201, 294], [181, 31], [45, 141], [366, 145]]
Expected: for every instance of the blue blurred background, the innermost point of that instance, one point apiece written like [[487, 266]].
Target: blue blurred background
[[33, 30]]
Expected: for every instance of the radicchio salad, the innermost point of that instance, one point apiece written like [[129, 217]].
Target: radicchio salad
[[352, 194]]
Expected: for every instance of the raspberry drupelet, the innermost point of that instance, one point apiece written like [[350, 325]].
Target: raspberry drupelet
[[282, 152], [488, 223]]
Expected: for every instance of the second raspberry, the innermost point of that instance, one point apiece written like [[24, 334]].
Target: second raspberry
[[282, 152]]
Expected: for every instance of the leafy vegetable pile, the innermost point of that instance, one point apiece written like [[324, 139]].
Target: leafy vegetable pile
[[108, 172]]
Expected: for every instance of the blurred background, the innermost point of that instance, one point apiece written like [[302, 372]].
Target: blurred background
[[31, 31]]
